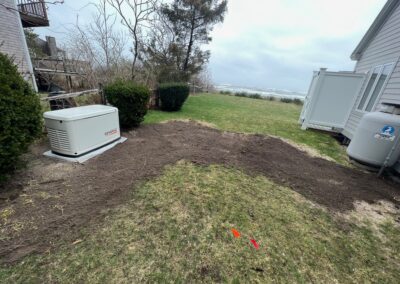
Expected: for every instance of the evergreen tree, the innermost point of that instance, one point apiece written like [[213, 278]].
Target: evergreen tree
[[192, 21], [35, 50]]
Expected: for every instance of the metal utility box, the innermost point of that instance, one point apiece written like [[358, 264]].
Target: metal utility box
[[77, 131], [330, 99]]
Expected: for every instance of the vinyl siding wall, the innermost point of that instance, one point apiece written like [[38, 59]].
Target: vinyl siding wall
[[12, 39], [384, 48]]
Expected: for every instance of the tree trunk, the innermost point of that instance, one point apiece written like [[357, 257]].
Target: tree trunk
[[190, 46], [135, 53]]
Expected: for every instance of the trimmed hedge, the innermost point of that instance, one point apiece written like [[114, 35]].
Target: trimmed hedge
[[173, 95], [20, 116], [131, 101]]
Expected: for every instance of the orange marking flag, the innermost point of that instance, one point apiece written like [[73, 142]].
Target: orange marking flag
[[256, 246], [235, 233]]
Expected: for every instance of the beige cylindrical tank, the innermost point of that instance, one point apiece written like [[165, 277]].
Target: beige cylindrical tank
[[374, 138]]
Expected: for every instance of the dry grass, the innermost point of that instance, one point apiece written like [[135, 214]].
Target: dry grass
[[5, 214]]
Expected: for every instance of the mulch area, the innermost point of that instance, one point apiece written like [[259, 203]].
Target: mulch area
[[52, 200]]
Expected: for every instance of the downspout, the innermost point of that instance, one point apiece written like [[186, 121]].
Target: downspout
[[389, 156], [26, 50], [397, 142]]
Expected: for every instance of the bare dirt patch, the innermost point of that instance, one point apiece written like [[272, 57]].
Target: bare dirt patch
[[374, 213], [306, 149], [53, 200]]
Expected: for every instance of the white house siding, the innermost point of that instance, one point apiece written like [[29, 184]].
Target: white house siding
[[383, 48], [12, 39]]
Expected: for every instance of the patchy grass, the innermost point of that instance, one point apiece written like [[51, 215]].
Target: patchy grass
[[5, 214], [253, 116], [177, 228]]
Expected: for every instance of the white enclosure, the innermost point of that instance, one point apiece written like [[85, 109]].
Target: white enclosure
[[77, 131], [330, 99]]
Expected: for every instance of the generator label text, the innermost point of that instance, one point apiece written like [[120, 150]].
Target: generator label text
[[111, 132]]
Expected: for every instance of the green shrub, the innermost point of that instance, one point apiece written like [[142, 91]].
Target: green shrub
[[255, 96], [173, 95], [286, 100], [241, 94], [20, 116], [294, 101], [298, 102], [249, 95], [131, 101], [271, 98]]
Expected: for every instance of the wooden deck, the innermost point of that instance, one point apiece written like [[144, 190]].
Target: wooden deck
[[33, 13]]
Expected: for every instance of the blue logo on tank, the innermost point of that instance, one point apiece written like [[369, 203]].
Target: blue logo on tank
[[388, 131]]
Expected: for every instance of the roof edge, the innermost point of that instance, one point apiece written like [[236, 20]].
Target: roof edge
[[374, 28]]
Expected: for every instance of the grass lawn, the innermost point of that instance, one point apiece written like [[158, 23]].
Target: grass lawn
[[177, 228], [253, 116]]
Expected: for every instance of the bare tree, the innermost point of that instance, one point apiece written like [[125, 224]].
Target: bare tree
[[161, 51], [99, 44], [108, 43], [136, 15], [204, 80]]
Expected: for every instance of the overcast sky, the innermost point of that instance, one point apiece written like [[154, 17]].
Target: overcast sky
[[268, 43]]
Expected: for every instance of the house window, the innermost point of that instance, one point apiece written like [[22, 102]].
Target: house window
[[374, 87]]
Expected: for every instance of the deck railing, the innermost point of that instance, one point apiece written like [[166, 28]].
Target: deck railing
[[33, 8]]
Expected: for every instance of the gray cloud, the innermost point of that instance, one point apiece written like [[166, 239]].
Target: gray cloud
[[268, 43]]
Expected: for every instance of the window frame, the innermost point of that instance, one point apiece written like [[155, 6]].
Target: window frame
[[369, 97]]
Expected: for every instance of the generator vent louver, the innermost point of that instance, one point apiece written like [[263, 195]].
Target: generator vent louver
[[58, 139]]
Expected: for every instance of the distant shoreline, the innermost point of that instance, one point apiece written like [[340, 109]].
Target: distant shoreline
[[264, 93]]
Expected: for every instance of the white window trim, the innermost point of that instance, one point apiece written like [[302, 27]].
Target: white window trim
[[367, 101], [371, 72], [382, 67], [379, 96]]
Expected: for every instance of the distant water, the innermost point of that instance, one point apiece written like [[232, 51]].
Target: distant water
[[263, 92]]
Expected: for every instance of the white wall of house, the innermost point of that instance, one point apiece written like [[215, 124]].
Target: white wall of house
[[384, 48], [12, 39]]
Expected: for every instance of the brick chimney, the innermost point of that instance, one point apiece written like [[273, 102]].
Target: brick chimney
[[52, 46]]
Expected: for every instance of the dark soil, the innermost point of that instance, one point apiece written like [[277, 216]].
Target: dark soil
[[51, 201]]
